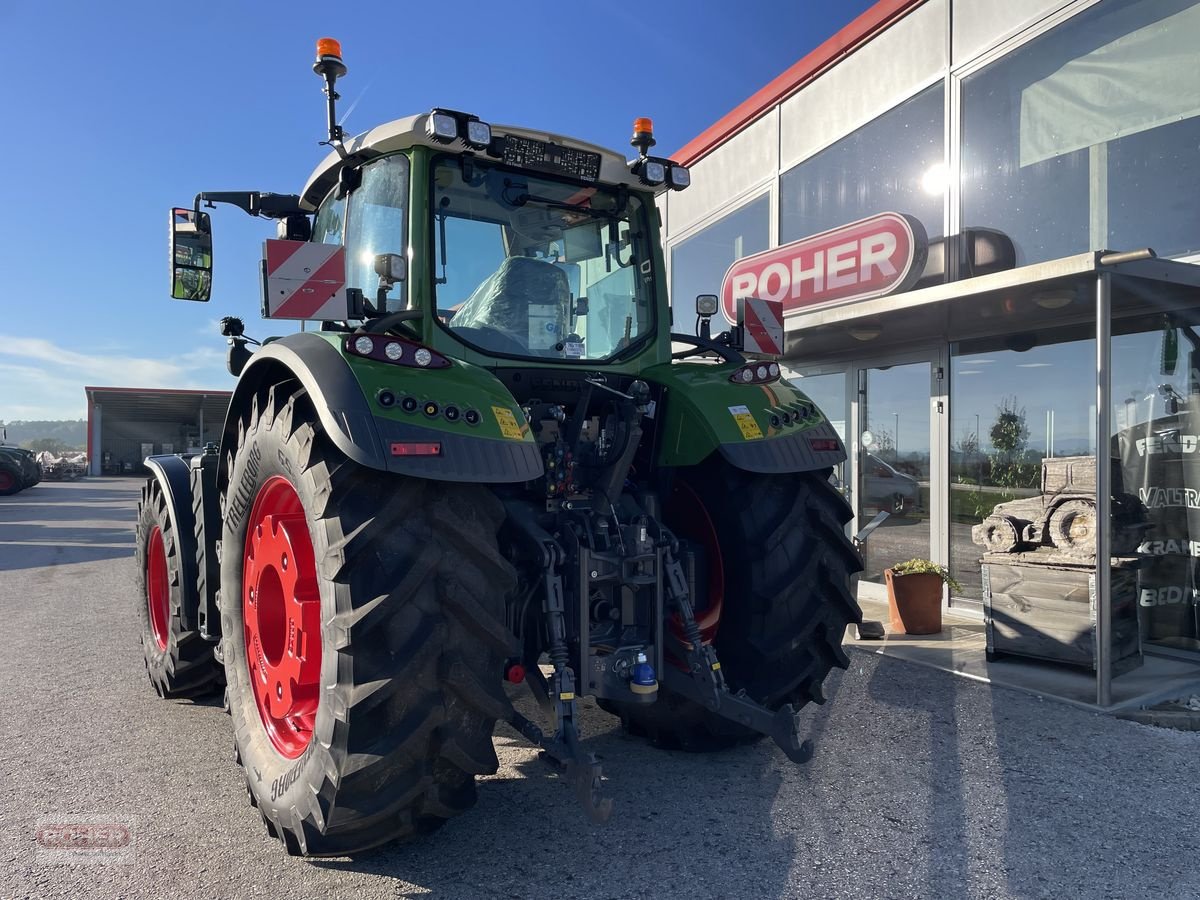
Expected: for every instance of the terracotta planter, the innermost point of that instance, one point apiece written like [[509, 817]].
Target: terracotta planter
[[915, 603]]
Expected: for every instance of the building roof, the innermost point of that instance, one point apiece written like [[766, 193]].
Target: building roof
[[158, 404], [875, 20]]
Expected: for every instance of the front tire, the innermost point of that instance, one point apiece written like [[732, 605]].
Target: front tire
[[179, 661], [389, 626], [784, 582]]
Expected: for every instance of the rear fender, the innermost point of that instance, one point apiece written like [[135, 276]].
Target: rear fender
[[346, 391], [705, 413], [173, 478]]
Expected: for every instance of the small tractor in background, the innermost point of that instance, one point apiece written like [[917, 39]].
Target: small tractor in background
[[491, 456]]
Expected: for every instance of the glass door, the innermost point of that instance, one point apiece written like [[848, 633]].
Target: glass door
[[894, 461], [828, 389]]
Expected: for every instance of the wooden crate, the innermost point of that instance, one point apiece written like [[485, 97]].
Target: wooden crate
[[1045, 608]]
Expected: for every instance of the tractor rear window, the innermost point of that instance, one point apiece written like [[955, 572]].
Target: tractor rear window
[[529, 266]]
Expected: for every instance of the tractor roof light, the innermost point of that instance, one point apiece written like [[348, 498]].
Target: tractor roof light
[[329, 58], [681, 177], [652, 172], [479, 134], [445, 126], [442, 127], [643, 135]]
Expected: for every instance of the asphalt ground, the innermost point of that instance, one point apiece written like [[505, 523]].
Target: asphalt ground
[[923, 785]]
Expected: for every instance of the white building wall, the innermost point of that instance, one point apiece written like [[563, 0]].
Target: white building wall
[[746, 160], [978, 25], [890, 68]]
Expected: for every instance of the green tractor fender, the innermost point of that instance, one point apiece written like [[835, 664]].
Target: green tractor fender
[[768, 428], [451, 424]]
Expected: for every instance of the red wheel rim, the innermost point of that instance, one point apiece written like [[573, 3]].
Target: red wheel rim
[[6, 481], [281, 608], [158, 589], [688, 517]]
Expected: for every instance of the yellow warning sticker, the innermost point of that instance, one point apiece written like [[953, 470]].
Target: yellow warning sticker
[[745, 422], [507, 422]]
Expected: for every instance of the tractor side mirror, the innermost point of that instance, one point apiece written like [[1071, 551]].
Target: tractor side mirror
[[191, 255]]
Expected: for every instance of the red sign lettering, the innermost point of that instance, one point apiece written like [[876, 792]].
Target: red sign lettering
[[879, 255]]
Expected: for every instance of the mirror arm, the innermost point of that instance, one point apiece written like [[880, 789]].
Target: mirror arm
[[254, 203], [722, 350], [390, 321]]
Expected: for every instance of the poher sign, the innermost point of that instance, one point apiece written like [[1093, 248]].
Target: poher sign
[[879, 255]]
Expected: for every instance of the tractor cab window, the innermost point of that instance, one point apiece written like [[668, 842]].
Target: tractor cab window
[[376, 223], [531, 266], [329, 226]]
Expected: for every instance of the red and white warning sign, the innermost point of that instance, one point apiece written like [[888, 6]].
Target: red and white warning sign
[[303, 280], [762, 325]]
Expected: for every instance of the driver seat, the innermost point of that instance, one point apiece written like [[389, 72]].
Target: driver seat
[[526, 299]]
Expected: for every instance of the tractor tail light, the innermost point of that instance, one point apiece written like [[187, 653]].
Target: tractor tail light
[[394, 350], [824, 445], [756, 373], [416, 448]]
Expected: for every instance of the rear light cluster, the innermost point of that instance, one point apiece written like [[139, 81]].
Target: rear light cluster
[[397, 351], [792, 414], [430, 408], [756, 373]]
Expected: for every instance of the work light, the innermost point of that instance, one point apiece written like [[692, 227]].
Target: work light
[[442, 127]]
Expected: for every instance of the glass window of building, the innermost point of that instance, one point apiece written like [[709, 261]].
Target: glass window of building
[[699, 263], [896, 163], [1156, 492], [828, 391], [1085, 138], [1014, 401]]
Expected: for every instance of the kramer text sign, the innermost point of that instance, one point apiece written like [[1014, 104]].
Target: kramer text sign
[[878, 255]]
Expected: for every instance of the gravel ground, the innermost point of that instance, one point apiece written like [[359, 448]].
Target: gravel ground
[[924, 785]]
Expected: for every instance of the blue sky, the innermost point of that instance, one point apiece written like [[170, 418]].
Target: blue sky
[[117, 111]]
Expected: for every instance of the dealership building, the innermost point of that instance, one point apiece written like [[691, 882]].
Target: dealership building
[[982, 221]]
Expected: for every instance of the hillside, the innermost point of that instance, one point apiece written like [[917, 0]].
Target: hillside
[[66, 433]]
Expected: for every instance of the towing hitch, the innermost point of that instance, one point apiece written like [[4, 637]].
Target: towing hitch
[[704, 682]]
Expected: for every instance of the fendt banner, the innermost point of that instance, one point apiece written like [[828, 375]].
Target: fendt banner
[[882, 254], [1161, 467]]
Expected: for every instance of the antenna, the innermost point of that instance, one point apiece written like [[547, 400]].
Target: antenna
[[329, 66]]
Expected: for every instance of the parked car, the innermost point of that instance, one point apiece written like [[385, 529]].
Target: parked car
[[887, 488]]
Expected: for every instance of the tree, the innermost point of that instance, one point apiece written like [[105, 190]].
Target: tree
[[1009, 434], [968, 444], [53, 445]]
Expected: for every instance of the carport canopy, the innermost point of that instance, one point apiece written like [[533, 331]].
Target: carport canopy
[[122, 419]]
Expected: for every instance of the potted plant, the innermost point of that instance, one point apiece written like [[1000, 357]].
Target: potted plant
[[915, 595]]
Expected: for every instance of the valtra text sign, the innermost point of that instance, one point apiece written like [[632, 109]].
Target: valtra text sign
[[878, 255]]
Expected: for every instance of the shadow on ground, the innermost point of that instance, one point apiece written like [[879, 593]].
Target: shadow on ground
[[62, 523]]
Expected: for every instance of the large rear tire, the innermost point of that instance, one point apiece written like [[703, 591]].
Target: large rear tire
[[179, 661], [10, 479], [782, 580], [380, 600]]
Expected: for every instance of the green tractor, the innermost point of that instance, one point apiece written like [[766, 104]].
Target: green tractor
[[488, 462]]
